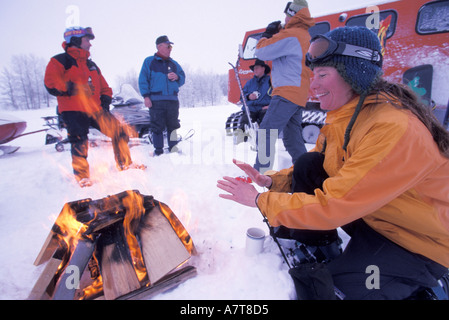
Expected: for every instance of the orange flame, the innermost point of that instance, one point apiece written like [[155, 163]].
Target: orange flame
[[70, 229], [134, 212], [132, 207], [178, 227]]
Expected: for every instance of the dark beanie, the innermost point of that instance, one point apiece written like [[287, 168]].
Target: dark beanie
[[360, 73]]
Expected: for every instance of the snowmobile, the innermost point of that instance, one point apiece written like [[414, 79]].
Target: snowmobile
[[243, 129], [128, 108], [313, 119], [12, 128]]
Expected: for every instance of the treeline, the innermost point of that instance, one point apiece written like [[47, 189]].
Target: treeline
[[22, 86], [200, 89]]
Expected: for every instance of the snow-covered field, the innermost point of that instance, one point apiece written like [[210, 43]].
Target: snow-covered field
[[37, 181]]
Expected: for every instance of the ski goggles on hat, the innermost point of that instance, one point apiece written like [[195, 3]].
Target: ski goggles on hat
[[289, 11], [78, 32], [323, 48]]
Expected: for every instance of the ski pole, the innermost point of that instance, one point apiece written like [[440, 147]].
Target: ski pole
[[276, 241], [235, 68]]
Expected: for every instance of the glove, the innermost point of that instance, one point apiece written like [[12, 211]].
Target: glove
[[105, 102], [70, 89], [272, 29]]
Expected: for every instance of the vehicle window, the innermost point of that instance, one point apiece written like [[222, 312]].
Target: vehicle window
[[433, 18], [387, 18], [250, 46], [319, 28]]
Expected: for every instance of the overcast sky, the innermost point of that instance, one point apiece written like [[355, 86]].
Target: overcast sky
[[206, 33]]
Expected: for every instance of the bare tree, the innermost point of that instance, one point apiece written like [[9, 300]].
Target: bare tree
[[22, 86], [200, 89], [8, 96], [131, 77]]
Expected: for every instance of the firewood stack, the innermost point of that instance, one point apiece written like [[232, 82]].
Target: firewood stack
[[125, 246]]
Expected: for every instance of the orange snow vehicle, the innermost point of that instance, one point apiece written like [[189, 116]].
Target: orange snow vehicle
[[415, 41]]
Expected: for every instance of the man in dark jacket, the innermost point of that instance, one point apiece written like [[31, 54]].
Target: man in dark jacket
[[256, 91], [159, 82], [83, 98]]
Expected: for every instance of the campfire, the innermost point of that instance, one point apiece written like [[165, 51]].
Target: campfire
[[125, 246]]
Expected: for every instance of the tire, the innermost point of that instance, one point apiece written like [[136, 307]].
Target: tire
[[59, 147], [310, 133]]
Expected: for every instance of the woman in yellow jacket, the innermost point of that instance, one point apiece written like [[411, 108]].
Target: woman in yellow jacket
[[385, 179]]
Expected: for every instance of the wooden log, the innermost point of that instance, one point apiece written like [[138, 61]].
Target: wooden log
[[119, 277], [107, 211], [162, 249], [54, 238], [95, 214], [48, 249], [45, 284], [69, 281], [168, 282]]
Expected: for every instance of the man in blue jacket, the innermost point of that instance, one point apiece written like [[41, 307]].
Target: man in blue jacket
[[159, 83], [256, 91]]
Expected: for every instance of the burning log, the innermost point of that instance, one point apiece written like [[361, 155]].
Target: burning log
[[44, 287], [115, 264], [129, 243], [78, 261], [160, 257]]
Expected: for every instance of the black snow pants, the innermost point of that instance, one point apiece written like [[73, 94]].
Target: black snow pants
[[78, 124], [371, 266], [164, 115]]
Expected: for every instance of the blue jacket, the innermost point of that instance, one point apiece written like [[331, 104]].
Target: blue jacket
[[153, 81], [262, 85]]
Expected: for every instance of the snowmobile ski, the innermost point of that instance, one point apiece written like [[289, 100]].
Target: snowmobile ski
[[5, 150]]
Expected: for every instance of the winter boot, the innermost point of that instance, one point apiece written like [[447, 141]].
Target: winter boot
[[158, 143], [132, 166], [85, 182]]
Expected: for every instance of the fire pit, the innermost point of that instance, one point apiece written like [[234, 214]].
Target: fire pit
[[125, 246]]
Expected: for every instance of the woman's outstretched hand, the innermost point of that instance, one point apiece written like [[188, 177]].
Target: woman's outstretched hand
[[260, 179], [242, 192], [238, 191]]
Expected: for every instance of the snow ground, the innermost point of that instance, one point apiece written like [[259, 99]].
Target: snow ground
[[37, 181]]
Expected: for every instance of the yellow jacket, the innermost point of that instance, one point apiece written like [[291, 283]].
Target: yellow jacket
[[392, 175]]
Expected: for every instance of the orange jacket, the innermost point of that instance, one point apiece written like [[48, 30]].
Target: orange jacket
[[287, 51], [392, 175], [76, 81]]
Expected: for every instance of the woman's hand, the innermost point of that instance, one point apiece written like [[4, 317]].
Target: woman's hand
[[239, 191], [260, 179], [242, 192]]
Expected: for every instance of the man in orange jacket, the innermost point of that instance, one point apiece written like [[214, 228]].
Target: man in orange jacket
[[83, 98], [286, 48]]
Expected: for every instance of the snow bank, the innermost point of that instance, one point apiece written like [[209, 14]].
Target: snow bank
[[37, 181]]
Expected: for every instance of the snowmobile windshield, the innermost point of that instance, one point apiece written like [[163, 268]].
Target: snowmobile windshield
[[323, 48]]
